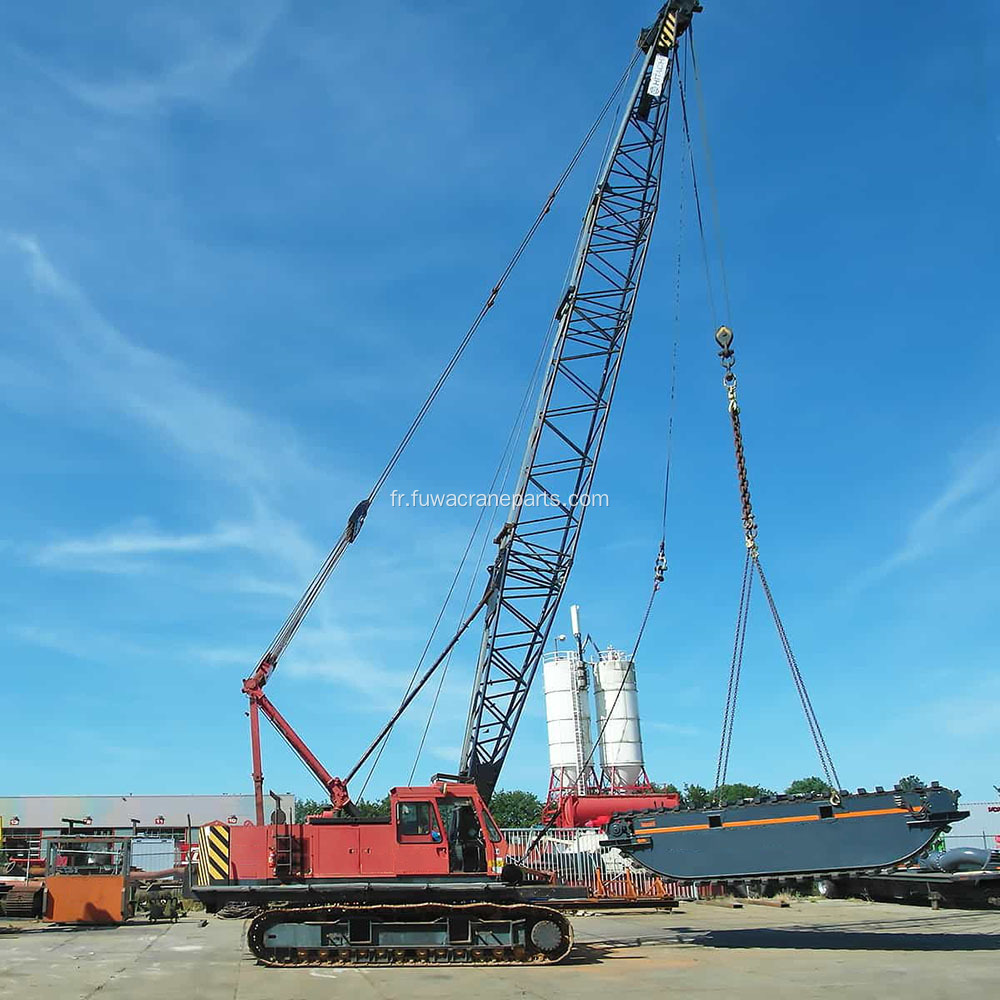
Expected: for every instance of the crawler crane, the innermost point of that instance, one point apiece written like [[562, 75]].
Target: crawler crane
[[432, 883]]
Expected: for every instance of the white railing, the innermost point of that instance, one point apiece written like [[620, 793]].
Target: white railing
[[576, 858]]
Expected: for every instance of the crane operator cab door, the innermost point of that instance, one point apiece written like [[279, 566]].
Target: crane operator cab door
[[473, 844], [421, 847]]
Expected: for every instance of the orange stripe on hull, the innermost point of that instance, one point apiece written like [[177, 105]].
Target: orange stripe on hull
[[767, 822]]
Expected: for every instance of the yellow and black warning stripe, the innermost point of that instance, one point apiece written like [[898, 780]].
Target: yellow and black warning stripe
[[213, 854], [668, 33]]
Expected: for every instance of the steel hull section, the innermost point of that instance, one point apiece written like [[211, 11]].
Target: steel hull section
[[794, 836]]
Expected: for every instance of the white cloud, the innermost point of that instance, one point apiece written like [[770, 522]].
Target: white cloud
[[140, 542], [966, 505], [156, 392], [202, 65], [97, 646]]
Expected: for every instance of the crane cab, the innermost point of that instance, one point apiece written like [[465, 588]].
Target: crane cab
[[454, 821], [444, 829]]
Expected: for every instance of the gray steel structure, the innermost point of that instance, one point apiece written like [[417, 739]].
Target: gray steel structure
[[788, 835], [538, 542]]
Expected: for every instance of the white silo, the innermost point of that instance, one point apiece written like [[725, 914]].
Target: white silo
[[567, 711], [617, 700]]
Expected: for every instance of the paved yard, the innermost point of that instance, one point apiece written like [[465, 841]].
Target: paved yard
[[862, 949]]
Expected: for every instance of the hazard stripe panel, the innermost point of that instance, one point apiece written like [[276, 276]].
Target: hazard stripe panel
[[213, 858], [668, 34]]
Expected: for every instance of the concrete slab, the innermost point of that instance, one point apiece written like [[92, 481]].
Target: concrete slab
[[866, 949]]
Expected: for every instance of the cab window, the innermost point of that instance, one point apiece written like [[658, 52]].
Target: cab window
[[491, 827], [416, 821]]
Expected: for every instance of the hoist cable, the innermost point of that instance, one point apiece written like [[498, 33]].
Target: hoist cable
[[301, 609], [826, 760], [500, 474], [423, 656], [724, 338], [710, 172], [660, 565], [735, 667], [505, 274], [404, 704], [697, 205]]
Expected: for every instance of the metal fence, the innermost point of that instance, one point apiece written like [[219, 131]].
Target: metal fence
[[986, 839], [24, 854], [577, 858]]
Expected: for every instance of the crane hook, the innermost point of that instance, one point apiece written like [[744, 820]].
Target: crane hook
[[724, 338]]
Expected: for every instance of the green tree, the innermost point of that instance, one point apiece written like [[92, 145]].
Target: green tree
[[910, 782], [806, 786], [737, 791], [374, 807], [312, 807], [308, 807], [514, 808], [670, 788], [695, 797]]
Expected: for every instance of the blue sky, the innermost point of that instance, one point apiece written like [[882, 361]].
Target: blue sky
[[237, 243]]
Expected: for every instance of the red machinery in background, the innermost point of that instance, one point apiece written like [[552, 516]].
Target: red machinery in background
[[570, 809]]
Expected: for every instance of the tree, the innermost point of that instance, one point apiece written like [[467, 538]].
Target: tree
[[668, 789], [308, 807], [514, 808], [807, 786], [311, 807], [695, 797], [738, 791], [910, 782], [375, 807]]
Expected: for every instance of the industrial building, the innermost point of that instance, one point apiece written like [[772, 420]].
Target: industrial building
[[159, 822]]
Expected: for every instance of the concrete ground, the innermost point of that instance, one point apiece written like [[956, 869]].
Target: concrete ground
[[864, 949]]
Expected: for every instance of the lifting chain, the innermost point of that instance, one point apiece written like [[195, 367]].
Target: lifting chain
[[724, 338]]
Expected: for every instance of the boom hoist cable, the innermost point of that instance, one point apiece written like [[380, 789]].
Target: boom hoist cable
[[253, 685], [660, 563]]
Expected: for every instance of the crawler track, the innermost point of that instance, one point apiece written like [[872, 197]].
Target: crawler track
[[411, 934]]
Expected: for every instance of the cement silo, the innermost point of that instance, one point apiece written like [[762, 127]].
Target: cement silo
[[567, 711], [617, 701]]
